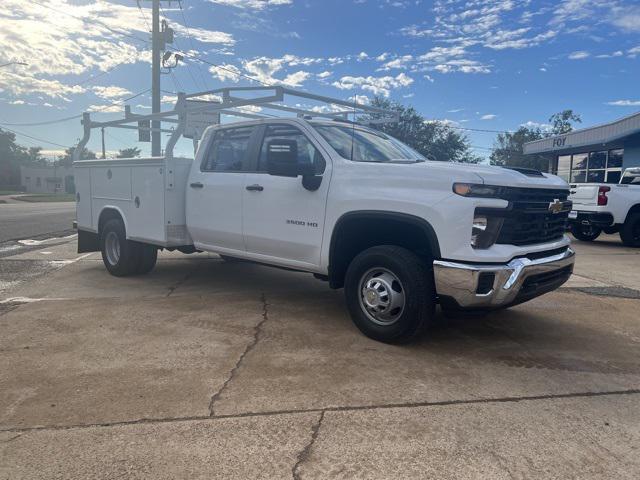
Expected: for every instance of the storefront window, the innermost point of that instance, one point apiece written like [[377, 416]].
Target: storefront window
[[564, 167], [615, 158], [597, 160], [580, 161], [592, 167]]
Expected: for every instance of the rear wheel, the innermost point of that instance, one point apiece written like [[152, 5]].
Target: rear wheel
[[120, 256], [390, 293], [148, 256], [630, 231], [586, 233]]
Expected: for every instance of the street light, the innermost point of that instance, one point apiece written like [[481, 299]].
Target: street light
[[13, 63]]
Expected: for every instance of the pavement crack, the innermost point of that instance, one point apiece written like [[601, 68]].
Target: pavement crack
[[305, 453], [257, 331], [181, 282], [346, 408]]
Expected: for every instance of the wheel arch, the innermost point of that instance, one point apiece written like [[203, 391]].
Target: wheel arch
[[633, 210], [110, 212], [375, 227]]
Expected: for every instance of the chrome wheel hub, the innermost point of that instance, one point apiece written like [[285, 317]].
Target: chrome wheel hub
[[381, 296], [112, 248]]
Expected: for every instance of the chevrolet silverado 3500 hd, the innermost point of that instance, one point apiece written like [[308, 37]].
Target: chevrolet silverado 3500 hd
[[343, 201]]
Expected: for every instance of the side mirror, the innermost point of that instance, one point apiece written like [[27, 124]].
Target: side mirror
[[282, 158]]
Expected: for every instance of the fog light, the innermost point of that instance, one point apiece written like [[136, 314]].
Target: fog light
[[480, 224], [485, 230]]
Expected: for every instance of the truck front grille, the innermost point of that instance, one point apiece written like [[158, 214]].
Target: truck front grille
[[528, 220]]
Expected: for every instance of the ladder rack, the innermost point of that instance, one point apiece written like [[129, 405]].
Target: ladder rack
[[241, 102]]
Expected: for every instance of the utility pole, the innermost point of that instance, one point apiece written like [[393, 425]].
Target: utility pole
[[104, 151], [160, 37], [155, 78]]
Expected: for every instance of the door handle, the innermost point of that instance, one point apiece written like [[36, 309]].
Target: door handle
[[196, 185], [255, 188]]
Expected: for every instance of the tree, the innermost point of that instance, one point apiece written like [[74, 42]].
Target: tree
[[34, 156], [129, 152], [508, 149], [561, 122], [435, 140], [67, 159], [11, 156]]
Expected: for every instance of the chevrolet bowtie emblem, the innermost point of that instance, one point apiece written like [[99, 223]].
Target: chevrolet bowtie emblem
[[556, 206]]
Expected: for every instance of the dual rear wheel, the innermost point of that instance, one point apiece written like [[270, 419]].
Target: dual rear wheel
[[124, 257]]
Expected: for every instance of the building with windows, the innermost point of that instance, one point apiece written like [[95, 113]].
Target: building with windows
[[592, 155], [47, 179]]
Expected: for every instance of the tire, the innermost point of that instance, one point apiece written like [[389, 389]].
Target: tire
[[231, 259], [120, 256], [390, 275], [585, 233], [630, 231], [148, 256]]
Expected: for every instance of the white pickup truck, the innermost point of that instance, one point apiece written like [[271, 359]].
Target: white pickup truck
[[609, 208], [342, 201]]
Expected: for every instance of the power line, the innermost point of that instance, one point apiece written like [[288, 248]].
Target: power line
[[66, 119], [186, 26], [35, 138], [37, 124], [480, 129]]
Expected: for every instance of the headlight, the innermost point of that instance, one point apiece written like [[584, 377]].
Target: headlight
[[477, 190], [485, 230]]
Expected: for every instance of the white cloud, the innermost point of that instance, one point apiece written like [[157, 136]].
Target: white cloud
[[111, 92], [252, 4], [66, 39], [226, 72], [325, 74], [579, 55], [488, 116], [632, 52], [617, 53], [626, 18], [264, 69], [625, 103], [377, 85], [545, 127], [105, 108]]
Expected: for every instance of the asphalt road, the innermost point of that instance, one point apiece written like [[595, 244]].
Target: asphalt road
[[27, 220]]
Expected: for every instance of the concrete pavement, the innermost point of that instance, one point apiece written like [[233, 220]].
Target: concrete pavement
[[207, 369]]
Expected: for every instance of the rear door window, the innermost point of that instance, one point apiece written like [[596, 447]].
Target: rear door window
[[228, 150]]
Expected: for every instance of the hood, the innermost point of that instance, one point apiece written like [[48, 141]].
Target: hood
[[492, 175]]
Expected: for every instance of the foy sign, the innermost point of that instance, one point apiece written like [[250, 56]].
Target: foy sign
[[559, 142]]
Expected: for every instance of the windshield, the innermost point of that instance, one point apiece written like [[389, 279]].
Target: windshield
[[365, 145], [631, 177]]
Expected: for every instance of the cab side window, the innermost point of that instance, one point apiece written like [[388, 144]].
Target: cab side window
[[228, 150], [307, 153]]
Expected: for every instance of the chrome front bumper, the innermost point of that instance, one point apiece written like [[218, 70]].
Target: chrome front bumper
[[499, 285]]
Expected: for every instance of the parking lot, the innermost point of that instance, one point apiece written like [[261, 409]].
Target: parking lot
[[209, 369]]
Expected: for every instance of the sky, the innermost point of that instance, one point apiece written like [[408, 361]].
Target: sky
[[482, 66]]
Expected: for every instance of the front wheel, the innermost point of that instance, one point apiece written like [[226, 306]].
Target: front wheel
[[585, 233], [390, 293], [630, 231]]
